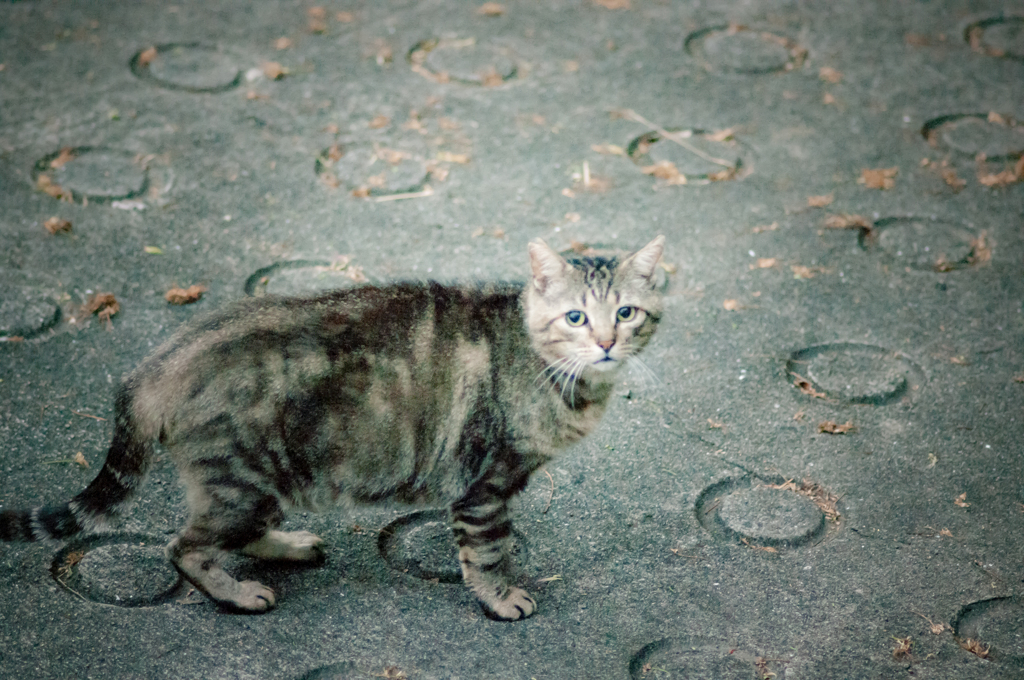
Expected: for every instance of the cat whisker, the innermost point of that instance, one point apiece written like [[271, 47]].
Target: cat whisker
[[647, 377]]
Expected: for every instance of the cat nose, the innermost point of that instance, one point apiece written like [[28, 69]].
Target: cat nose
[[605, 344]]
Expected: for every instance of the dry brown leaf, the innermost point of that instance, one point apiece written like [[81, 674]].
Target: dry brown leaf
[[765, 263], [946, 532], [878, 178], [722, 175], [828, 99], [996, 118], [185, 296], [273, 70], [66, 154], [377, 181], [361, 192], [981, 251], [731, 305], [316, 12], [47, 186], [283, 43], [844, 221], [147, 56], [830, 75], [80, 459], [720, 135], [950, 177], [665, 170], [975, 647], [902, 649], [820, 201], [491, 9], [1001, 179], [379, 121], [56, 225], [449, 157], [392, 673], [807, 387], [831, 427], [802, 272], [103, 305], [774, 226], [390, 156], [961, 501]]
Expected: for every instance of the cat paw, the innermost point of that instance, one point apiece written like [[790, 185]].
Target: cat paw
[[251, 597], [292, 546], [516, 604]]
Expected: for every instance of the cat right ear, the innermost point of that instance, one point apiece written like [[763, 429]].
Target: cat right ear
[[547, 265]]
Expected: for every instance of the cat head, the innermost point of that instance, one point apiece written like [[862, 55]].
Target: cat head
[[586, 315]]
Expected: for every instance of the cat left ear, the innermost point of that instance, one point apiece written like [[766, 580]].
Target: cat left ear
[[643, 262], [547, 265]]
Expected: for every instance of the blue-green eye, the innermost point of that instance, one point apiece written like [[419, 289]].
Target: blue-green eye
[[575, 318], [626, 313]]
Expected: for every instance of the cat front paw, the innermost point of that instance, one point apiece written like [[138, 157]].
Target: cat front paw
[[251, 597], [509, 605]]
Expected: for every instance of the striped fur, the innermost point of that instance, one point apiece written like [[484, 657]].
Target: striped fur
[[410, 393]]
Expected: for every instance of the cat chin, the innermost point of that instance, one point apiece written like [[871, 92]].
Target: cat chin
[[605, 368]]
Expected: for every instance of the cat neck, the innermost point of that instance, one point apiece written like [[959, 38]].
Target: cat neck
[[579, 392]]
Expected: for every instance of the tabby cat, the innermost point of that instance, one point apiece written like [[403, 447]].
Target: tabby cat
[[414, 392]]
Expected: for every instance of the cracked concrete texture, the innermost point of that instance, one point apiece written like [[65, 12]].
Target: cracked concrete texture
[[271, 147]]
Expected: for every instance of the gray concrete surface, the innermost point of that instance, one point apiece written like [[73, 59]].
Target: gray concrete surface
[[692, 537]]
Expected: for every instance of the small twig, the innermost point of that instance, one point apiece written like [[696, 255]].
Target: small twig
[[551, 494], [632, 115], [427, 191], [88, 415]]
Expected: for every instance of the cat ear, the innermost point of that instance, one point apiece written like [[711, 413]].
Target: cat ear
[[547, 265], [643, 262]]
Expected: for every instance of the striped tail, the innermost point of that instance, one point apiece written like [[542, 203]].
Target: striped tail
[[104, 499]]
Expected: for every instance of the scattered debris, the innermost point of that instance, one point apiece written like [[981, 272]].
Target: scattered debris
[[761, 228], [153, 250], [392, 673], [961, 501], [103, 305], [273, 70], [667, 171], [80, 460], [66, 154], [56, 225], [765, 263], [49, 187], [185, 296], [807, 387], [317, 20], [879, 178], [981, 251], [902, 650], [831, 427], [344, 17], [975, 647], [761, 664], [1000, 179], [491, 9], [830, 75], [762, 548], [822, 497], [449, 157], [802, 272], [283, 44], [731, 305], [147, 56], [820, 201]]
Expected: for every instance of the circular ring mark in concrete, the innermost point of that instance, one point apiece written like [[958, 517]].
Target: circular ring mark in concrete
[[463, 61], [703, 159], [127, 570], [692, 658], [739, 49], [344, 670], [1000, 36], [95, 173], [372, 168], [856, 373], [292, 277], [26, 311], [192, 67], [421, 544], [977, 133], [751, 511], [997, 624], [924, 244]]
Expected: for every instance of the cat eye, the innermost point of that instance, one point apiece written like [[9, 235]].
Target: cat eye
[[575, 318], [626, 313]]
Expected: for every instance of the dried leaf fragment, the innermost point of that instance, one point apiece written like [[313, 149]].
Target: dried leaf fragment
[[731, 305], [807, 387], [830, 75], [283, 43], [1001, 179], [80, 460], [761, 228], [185, 296], [392, 673], [608, 149], [491, 9], [667, 171], [449, 157], [981, 251], [802, 272], [273, 70], [820, 201], [975, 647], [103, 305], [902, 650], [961, 501], [56, 225], [765, 263], [147, 56], [48, 187], [66, 154], [831, 427], [844, 221], [878, 178]]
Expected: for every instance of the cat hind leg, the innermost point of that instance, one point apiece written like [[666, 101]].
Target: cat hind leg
[[290, 546]]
